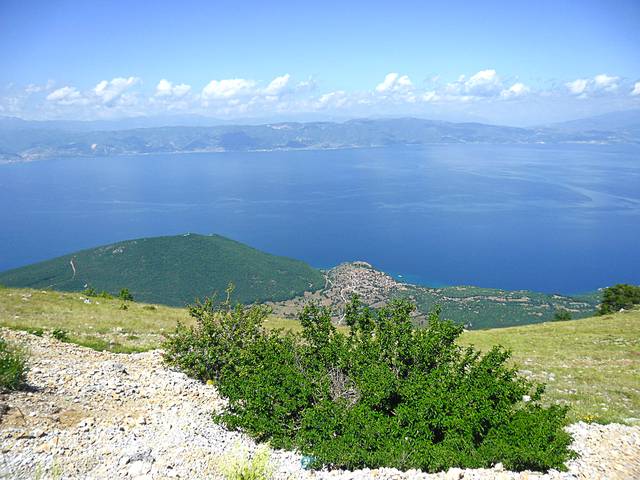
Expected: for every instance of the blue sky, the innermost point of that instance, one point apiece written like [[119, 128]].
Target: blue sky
[[503, 62]]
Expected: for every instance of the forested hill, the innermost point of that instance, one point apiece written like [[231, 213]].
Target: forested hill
[[173, 270]]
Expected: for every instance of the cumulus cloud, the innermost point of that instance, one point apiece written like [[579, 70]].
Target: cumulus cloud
[[599, 85], [516, 90], [167, 89], [335, 99], [278, 85], [606, 82], [228, 88], [578, 86], [484, 83], [237, 97], [394, 82], [66, 96], [107, 91]]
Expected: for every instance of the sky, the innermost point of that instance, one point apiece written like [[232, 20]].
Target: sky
[[508, 62]]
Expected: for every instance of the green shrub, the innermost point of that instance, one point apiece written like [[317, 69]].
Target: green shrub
[[125, 295], [13, 366], [562, 315], [385, 394], [60, 334], [37, 331], [92, 292], [619, 296]]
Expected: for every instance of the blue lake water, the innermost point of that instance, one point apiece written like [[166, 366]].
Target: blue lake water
[[548, 218]]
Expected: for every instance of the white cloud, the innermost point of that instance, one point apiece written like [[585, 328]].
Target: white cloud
[[516, 90], [167, 89], [66, 96], [34, 88], [332, 99], [109, 91], [577, 87], [277, 85], [238, 97], [599, 85], [483, 83], [227, 88], [606, 82], [394, 83]]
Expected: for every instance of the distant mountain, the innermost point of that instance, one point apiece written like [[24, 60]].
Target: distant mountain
[[173, 271], [626, 121], [24, 141]]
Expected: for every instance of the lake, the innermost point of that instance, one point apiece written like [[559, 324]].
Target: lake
[[553, 218]]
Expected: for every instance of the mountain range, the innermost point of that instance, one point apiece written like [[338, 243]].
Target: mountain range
[[22, 140]]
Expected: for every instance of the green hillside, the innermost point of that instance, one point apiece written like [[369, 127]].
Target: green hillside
[[173, 271]]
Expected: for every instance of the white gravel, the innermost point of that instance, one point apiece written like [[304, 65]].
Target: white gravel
[[95, 415]]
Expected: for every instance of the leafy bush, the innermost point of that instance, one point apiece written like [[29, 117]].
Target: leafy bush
[[13, 366], [37, 331], [125, 295], [385, 394], [562, 315], [89, 292], [619, 296], [60, 334], [92, 292]]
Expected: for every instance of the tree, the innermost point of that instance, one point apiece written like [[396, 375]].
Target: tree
[[619, 296], [125, 295], [562, 315]]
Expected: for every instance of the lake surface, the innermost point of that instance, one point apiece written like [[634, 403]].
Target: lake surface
[[549, 218]]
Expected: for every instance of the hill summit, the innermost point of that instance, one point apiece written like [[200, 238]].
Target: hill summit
[[173, 270]]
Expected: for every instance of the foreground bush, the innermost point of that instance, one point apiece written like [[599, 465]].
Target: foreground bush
[[385, 394], [13, 366]]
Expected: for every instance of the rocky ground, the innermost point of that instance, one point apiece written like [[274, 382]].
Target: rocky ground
[[103, 415]]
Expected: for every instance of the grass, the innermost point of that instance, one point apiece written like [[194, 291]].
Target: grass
[[100, 324], [13, 366], [592, 363]]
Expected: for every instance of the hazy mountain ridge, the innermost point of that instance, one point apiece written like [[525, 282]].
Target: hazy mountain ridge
[[24, 140]]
